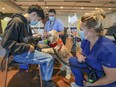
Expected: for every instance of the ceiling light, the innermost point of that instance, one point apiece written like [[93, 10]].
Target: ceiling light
[[86, 13], [109, 8], [3, 8], [96, 8], [46, 7], [82, 7], [61, 7]]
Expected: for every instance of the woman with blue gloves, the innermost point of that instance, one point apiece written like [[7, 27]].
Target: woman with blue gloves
[[98, 52]]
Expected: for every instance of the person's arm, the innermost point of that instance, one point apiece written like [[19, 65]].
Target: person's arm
[[60, 28], [36, 35], [110, 77], [11, 37], [80, 57], [109, 66], [31, 48], [61, 32], [79, 54]]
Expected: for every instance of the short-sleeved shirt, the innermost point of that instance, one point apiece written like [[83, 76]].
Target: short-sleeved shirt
[[56, 25], [103, 53]]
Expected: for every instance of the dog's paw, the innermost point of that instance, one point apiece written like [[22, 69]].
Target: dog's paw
[[47, 50], [44, 50], [68, 76]]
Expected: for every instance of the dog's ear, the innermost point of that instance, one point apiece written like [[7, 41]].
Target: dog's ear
[[56, 32]]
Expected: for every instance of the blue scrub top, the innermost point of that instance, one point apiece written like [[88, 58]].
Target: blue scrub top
[[103, 53], [57, 25]]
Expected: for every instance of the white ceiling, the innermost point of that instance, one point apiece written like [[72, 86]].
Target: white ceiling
[[69, 6]]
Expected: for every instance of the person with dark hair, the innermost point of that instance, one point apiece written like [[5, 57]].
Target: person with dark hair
[[111, 30], [37, 9], [46, 18], [52, 11], [18, 40], [97, 56], [53, 23]]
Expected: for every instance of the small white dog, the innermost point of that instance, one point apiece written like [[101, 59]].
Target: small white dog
[[64, 53]]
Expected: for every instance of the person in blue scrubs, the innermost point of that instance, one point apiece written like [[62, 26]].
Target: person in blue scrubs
[[97, 52], [54, 23]]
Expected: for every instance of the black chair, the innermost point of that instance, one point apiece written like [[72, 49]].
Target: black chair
[[63, 37], [6, 58], [111, 30], [114, 35]]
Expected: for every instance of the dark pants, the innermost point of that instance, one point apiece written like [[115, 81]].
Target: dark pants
[[63, 38]]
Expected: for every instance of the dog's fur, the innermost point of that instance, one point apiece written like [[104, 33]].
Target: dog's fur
[[60, 48]]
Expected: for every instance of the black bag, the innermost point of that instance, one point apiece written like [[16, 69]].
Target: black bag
[[92, 76]]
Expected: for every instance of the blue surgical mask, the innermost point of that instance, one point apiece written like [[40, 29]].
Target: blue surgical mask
[[33, 22], [82, 36], [51, 18]]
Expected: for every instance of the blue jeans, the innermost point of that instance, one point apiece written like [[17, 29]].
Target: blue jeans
[[45, 60], [78, 72]]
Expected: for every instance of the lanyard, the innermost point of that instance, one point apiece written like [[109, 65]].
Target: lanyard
[[51, 25]]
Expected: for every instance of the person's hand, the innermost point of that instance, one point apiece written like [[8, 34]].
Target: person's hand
[[36, 35], [31, 49], [87, 83], [81, 58], [46, 34]]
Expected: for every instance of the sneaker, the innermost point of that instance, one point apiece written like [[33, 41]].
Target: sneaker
[[49, 84], [23, 70]]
